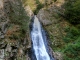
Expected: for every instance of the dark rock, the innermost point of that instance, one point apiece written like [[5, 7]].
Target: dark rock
[[3, 46], [4, 27]]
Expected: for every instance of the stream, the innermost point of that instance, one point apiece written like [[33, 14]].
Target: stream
[[40, 49]]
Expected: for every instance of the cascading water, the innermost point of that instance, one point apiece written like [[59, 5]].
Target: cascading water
[[39, 42]]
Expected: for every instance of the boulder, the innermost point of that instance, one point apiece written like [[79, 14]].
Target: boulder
[[44, 18]]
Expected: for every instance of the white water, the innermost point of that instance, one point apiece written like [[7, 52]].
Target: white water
[[38, 41]]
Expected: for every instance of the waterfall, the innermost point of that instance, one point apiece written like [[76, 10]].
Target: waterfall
[[39, 43]]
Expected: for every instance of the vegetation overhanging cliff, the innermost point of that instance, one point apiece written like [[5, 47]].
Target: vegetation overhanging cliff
[[63, 32]]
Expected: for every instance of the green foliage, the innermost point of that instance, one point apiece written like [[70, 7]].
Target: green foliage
[[72, 11], [74, 31], [15, 37], [30, 3], [72, 34], [71, 51], [39, 6], [18, 16], [72, 47]]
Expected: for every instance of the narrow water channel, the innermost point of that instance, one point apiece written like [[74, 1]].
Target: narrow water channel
[[39, 42]]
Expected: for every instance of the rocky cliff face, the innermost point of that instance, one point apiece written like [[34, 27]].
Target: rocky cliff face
[[4, 19], [55, 25], [14, 43], [11, 46]]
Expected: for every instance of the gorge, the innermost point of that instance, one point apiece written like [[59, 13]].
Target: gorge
[[53, 34]]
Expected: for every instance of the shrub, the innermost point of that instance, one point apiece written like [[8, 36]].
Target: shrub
[[19, 17], [72, 11], [72, 34], [39, 6], [72, 51]]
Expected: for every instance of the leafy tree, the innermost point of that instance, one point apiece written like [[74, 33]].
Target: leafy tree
[[72, 11], [19, 17], [39, 6]]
